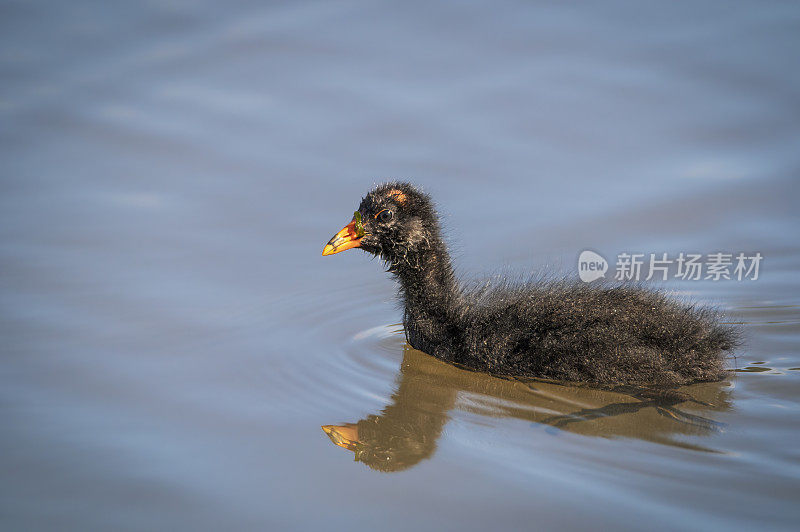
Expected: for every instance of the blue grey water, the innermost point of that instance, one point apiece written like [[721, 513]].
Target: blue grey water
[[172, 339]]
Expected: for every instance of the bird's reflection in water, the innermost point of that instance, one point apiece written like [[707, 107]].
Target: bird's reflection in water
[[406, 431]]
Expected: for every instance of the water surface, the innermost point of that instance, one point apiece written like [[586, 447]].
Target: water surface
[[173, 341]]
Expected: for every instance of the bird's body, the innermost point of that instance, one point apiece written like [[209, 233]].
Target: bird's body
[[558, 330], [575, 332]]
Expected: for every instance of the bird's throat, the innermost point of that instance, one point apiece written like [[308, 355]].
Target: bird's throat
[[430, 293]]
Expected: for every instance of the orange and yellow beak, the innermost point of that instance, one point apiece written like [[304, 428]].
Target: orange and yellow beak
[[343, 240]]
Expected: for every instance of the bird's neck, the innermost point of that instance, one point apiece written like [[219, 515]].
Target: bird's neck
[[428, 284]]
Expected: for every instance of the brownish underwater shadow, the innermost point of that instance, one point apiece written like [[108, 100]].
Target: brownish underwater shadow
[[405, 432]]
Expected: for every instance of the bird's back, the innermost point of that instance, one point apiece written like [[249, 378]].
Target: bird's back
[[577, 332]]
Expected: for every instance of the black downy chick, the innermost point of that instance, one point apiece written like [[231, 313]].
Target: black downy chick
[[561, 330]]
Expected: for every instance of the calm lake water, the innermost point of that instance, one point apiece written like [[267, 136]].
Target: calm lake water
[[173, 341]]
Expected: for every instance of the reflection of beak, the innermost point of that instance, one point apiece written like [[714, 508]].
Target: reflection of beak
[[345, 436], [345, 239]]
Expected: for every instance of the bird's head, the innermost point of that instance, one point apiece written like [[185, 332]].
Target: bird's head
[[395, 221]]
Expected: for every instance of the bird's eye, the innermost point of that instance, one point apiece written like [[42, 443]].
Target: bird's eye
[[385, 215]]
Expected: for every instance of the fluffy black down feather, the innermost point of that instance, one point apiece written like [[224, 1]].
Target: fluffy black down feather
[[573, 331]]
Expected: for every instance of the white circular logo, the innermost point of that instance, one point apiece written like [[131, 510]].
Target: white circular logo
[[591, 266]]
